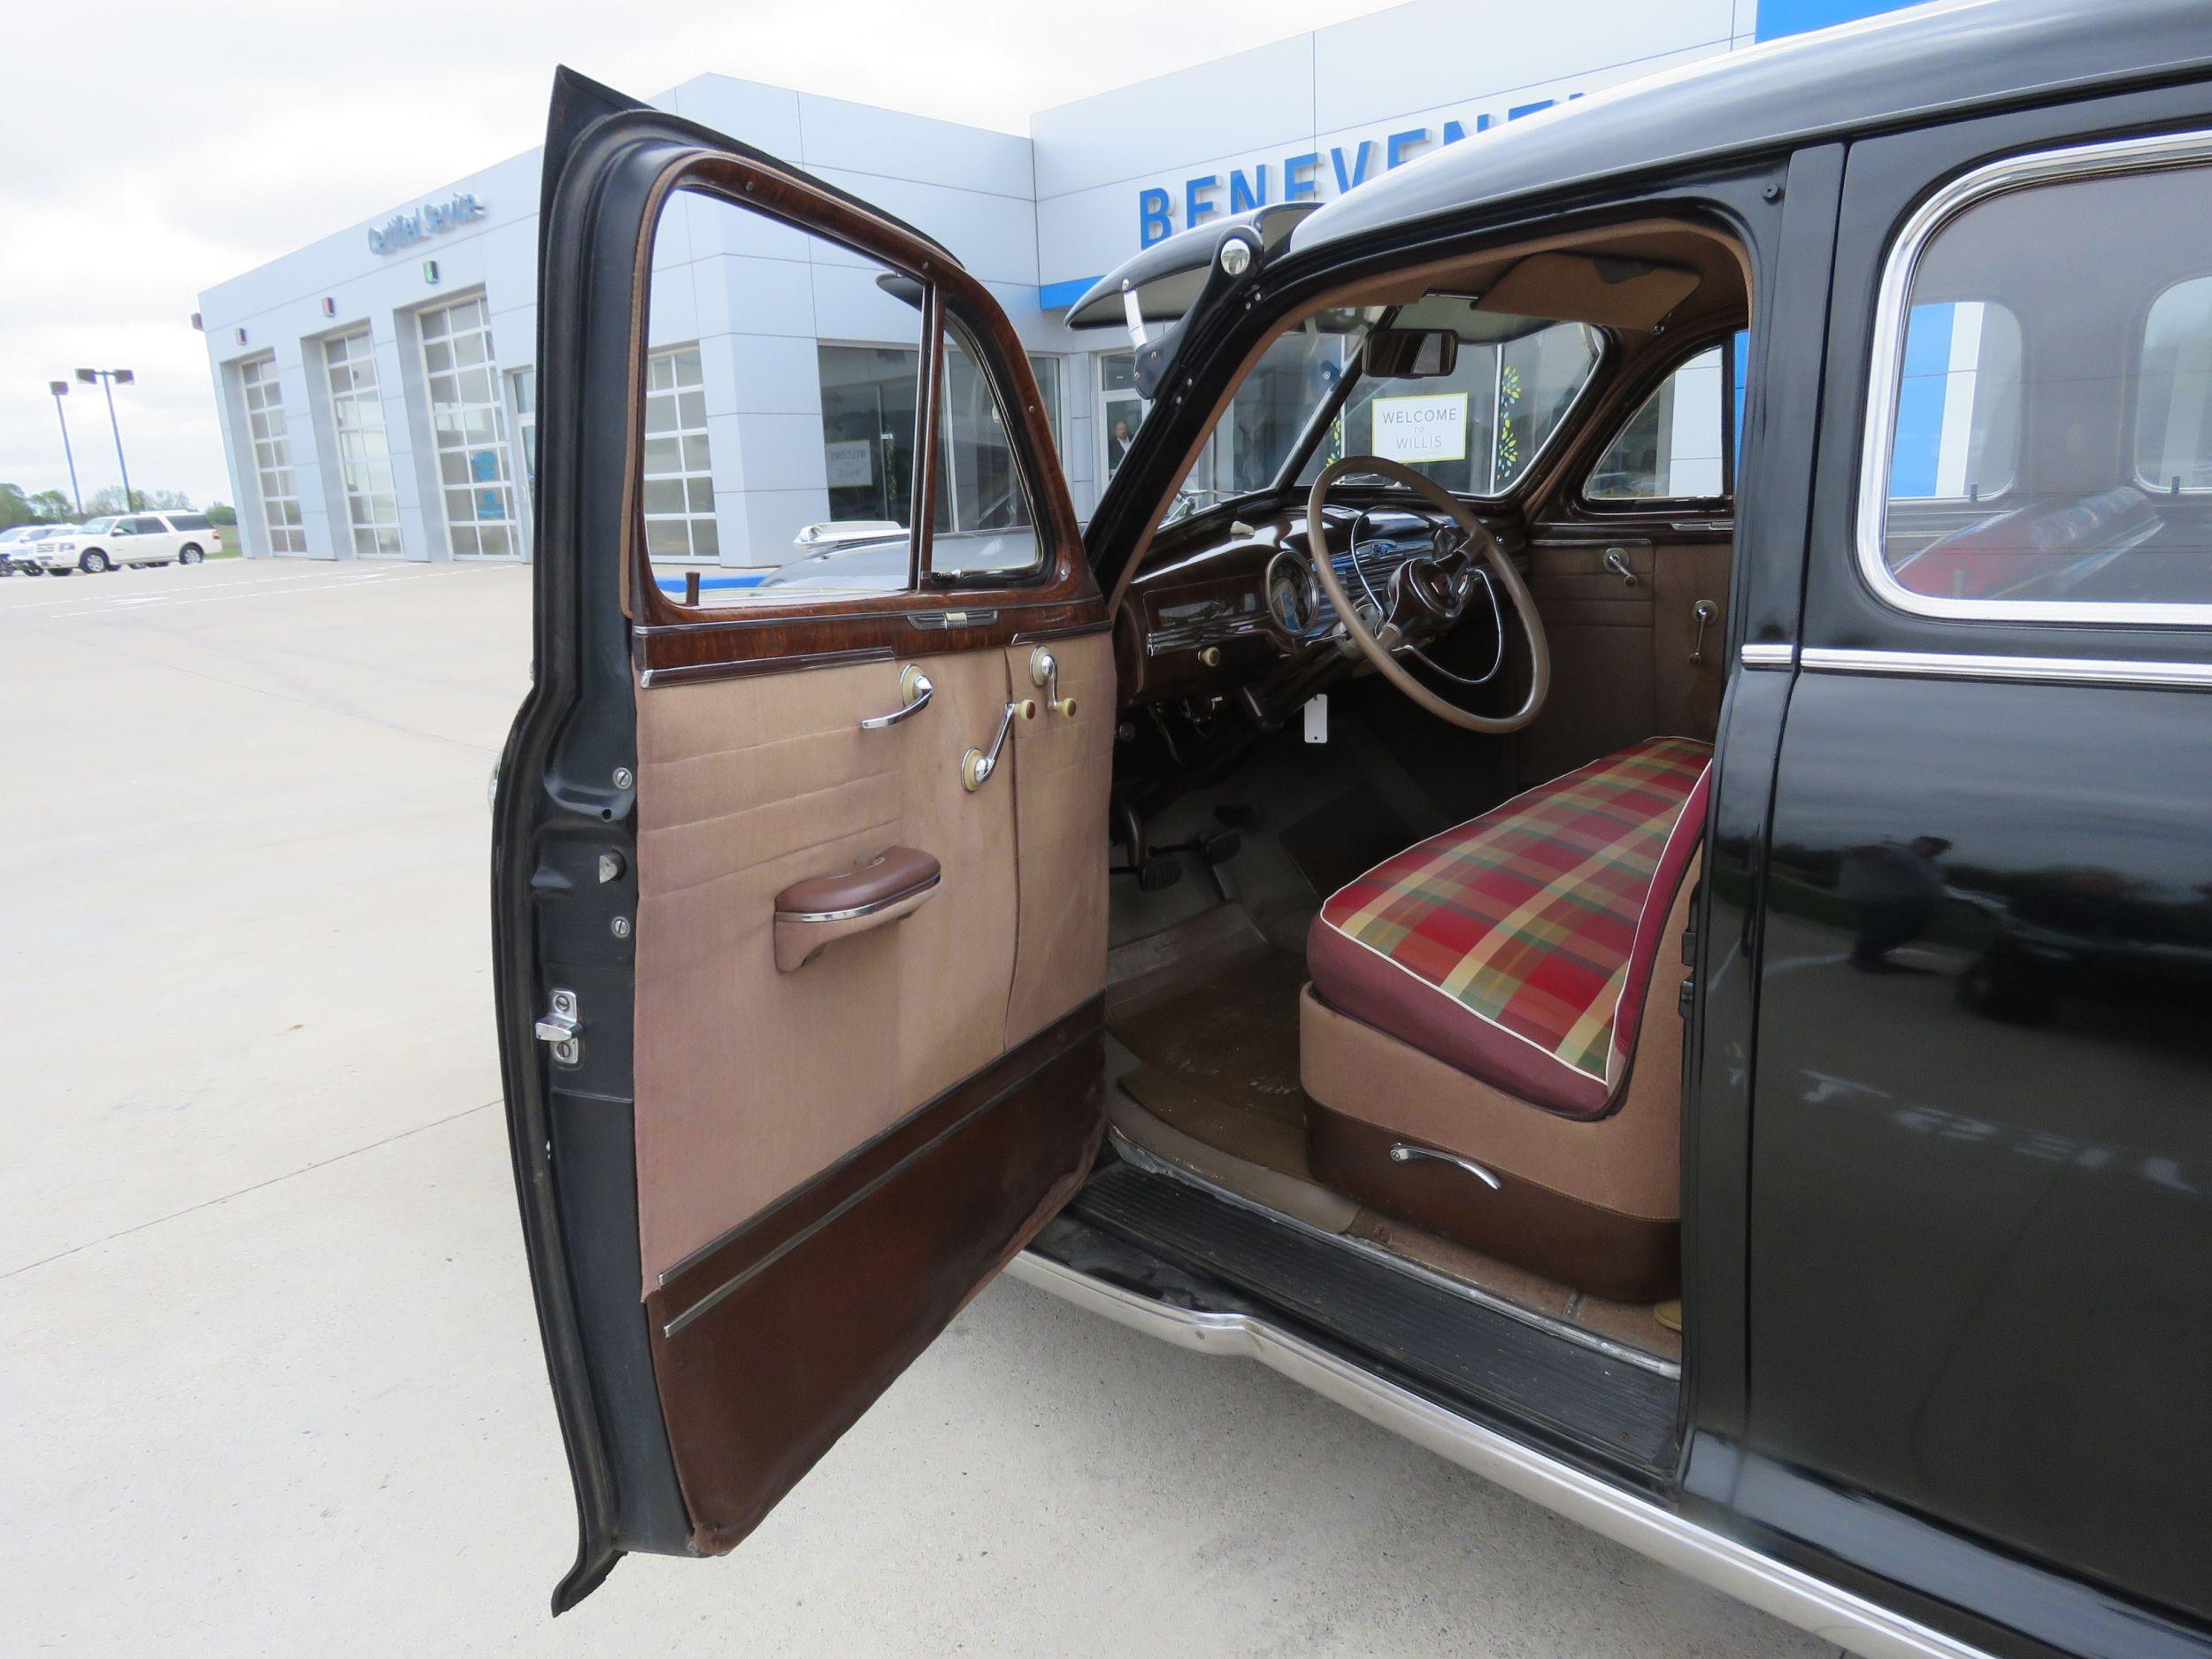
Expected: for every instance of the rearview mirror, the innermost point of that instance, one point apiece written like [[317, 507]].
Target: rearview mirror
[[1411, 353]]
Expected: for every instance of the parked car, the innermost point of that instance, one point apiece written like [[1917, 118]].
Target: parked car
[[10, 540], [130, 539], [1632, 902], [22, 555]]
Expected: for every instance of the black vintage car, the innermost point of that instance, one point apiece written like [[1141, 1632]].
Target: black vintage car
[[1603, 850]]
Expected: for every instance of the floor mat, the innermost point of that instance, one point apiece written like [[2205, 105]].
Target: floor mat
[[1227, 1026], [1345, 838]]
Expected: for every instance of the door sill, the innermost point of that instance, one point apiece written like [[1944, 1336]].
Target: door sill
[[1152, 1163], [1646, 1528]]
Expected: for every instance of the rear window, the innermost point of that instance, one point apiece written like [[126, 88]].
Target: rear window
[[190, 521]]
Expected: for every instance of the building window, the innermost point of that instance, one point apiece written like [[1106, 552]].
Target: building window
[[365, 458], [469, 429], [983, 524], [523, 388], [869, 421], [677, 475], [1120, 411], [1047, 372], [272, 456]]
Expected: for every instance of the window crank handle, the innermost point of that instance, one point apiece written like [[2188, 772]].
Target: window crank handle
[[1704, 611]]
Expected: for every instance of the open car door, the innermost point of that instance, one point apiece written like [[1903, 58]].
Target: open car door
[[799, 868]]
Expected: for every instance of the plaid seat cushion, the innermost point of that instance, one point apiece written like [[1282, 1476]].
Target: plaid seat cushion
[[1517, 946]]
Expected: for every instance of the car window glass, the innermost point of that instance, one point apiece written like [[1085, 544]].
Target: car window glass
[[983, 523], [777, 457], [1674, 448], [2048, 417], [1475, 430], [2173, 403], [191, 521], [1957, 435], [1249, 444]]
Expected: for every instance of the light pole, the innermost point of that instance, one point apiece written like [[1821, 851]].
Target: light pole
[[60, 389], [108, 379]]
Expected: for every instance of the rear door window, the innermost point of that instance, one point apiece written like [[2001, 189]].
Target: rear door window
[[2040, 446]]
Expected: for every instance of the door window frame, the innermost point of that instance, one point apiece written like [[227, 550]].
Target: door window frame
[[1731, 439], [948, 297], [2066, 165]]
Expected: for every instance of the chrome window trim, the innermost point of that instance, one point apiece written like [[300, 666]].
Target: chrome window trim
[[1628, 1518], [1976, 665], [1886, 371], [1769, 656]]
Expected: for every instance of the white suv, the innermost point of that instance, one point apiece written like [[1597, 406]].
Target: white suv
[[138, 538]]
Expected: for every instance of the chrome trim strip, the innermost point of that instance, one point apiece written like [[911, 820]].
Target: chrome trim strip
[[2131, 154], [916, 891], [1769, 656], [1973, 666], [1671, 1539], [1154, 1163], [676, 673]]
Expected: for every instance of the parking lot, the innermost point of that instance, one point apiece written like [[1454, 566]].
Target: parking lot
[[272, 1381]]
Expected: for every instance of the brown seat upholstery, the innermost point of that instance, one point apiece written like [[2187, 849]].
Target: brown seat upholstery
[[1501, 995]]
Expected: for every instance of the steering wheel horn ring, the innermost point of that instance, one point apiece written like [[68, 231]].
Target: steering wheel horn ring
[[1431, 587]]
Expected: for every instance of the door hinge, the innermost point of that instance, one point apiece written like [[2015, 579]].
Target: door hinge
[[563, 1026]]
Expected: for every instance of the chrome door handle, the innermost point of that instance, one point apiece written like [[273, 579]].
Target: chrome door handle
[[978, 764], [1616, 561], [1704, 611], [914, 686], [1404, 1152]]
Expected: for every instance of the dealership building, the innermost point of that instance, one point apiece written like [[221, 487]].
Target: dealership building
[[376, 386]]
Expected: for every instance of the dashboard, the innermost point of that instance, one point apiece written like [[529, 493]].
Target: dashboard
[[1240, 613]]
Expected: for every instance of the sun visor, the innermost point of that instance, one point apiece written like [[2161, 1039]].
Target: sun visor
[[1575, 288]]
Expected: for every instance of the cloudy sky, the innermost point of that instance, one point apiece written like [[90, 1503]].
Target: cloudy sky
[[162, 147]]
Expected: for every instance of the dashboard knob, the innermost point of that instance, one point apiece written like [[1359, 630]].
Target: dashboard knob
[[1210, 657]]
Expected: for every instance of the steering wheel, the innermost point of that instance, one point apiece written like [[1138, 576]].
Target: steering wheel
[[1427, 587]]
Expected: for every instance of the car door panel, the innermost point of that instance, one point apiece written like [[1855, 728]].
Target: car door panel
[[1689, 639], [746, 785], [754, 1189], [770, 1346], [1063, 774], [1599, 626]]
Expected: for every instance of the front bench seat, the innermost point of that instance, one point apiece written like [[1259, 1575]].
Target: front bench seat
[[1494, 998]]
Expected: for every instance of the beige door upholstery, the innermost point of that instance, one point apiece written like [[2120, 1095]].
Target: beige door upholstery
[[750, 1080], [1063, 770]]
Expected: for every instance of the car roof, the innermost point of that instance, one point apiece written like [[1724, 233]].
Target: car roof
[[1902, 70]]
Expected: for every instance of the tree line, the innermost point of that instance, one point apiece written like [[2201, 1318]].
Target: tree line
[[50, 506]]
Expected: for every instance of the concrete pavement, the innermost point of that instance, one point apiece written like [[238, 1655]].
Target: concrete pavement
[[270, 1381]]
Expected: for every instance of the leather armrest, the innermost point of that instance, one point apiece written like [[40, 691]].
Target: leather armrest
[[820, 909]]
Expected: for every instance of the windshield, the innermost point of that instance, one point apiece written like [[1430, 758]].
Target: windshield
[[1475, 431], [96, 526], [1295, 378]]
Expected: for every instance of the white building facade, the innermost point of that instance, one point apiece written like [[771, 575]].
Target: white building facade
[[377, 391]]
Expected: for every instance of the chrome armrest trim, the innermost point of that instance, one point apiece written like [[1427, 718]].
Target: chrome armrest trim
[[914, 892]]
